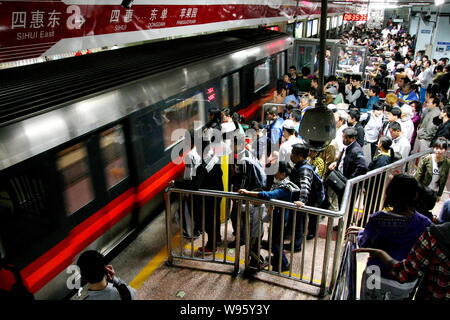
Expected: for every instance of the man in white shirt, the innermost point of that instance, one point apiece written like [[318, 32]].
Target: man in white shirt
[[406, 122], [373, 127], [425, 79], [290, 140], [340, 117], [385, 32], [399, 142]]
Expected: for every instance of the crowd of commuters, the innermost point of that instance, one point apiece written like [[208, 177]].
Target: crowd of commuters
[[399, 109]]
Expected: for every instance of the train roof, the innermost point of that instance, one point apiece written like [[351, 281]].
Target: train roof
[[45, 105]]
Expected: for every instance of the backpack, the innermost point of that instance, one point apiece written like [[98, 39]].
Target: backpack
[[317, 195], [362, 101], [257, 174]]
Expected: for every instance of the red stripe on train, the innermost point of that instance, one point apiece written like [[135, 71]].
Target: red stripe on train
[[49, 265], [248, 112]]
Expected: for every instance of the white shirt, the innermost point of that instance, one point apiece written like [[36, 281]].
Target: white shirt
[[425, 78], [434, 184], [286, 149], [407, 128], [192, 160], [373, 127], [385, 33], [401, 145], [339, 140]]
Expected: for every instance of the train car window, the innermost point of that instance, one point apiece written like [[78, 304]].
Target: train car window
[[262, 75], [299, 30], [328, 23], [334, 22], [309, 26], [278, 65], [72, 163], [236, 89], [112, 145], [315, 27], [182, 116], [283, 64], [225, 92], [27, 206], [340, 20]]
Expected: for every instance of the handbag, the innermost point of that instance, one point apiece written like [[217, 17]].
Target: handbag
[[336, 181]]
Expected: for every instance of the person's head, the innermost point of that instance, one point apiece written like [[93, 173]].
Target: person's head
[[354, 116], [356, 80], [440, 147], [416, 107], [378, 108], [396, 48], [391, 99], [288, 128], [314, 83], [293, 71], [299, 152], [433, 102], [296, 115], [426, 200], [258, 127], [402, 82], [226, 115], [394, 114], [332, 79], [439, 68], [287, 78], [272, 113], [306, 71], [402, 193], [305, 100], [426, 63], [407, 111], [92, 266], [214, 114], [374, 91], [340, 117], [445, 112], [349, 136], [395, 129], [384, 143], [284, 170], [281, 85]]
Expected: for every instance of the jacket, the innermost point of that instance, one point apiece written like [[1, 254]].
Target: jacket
[[425, 171], [427, 128], [442, 131], [354, 161], [303, 178]]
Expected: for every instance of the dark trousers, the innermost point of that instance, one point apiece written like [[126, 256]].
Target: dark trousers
[[276, 238], [210, 226], [192, 217]]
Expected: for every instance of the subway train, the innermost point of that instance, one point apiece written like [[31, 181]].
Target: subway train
[[85, 142]]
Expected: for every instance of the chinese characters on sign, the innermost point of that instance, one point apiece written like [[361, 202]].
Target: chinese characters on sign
[[36, 20]]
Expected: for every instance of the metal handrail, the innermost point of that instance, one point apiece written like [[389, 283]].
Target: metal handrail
[[345, 288], [278, 203]]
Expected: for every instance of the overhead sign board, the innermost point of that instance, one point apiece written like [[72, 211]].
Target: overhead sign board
[[31, 29]]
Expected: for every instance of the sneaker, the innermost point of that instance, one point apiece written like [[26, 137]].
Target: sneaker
[[205, 250], [287, 247], [310, 236]]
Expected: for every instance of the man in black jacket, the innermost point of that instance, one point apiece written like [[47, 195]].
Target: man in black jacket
[[351, 162], [353, 121], [444, 125]]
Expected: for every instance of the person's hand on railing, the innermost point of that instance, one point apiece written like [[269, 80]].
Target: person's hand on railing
[[353, 230], [243, 191], [299, 204]]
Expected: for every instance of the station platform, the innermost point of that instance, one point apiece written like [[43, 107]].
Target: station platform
[[143, 265]]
